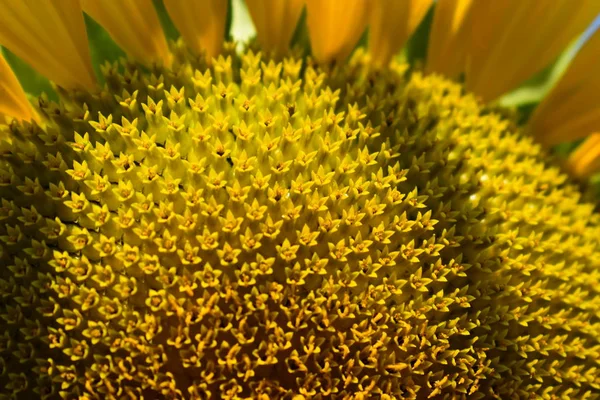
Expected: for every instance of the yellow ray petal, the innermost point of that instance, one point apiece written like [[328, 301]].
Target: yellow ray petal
[[275, 22], [13, 102], [449, 32], [133, 25], [335, 26], [585, 160], [391, 24], [51, 37], [201, 23], [510, 40], [571, 110]]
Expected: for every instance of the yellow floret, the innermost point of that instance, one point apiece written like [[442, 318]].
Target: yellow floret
[[256, 229]]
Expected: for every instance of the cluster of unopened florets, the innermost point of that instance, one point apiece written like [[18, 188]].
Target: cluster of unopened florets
[[256, 229]]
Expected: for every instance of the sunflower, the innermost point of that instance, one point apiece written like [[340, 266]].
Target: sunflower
[[210, 220]]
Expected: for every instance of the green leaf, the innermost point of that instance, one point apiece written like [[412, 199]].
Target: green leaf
[[171, 32], [102, 47], [300, 37], [416, 47]]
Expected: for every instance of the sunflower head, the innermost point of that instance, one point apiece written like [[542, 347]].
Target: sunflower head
[[215, 223]]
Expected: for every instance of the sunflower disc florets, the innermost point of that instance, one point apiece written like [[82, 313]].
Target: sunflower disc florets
[[266, 230]]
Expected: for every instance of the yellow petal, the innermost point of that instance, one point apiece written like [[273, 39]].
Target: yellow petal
[[391, 24], [585, 160], [449, 32], [571, 110], [335, 26], [510, 40], [13, 102], [201, 23], [133, 25], [50, 36], [275, 22]]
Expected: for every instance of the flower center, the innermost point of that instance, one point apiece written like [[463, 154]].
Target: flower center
[[345, 225]]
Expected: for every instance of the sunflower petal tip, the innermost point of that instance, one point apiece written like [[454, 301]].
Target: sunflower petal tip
[[13, 101], [275, 22], [585, 160], [335, 27], [391, 24], [133, 25], [201, 24], [51, 37]]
